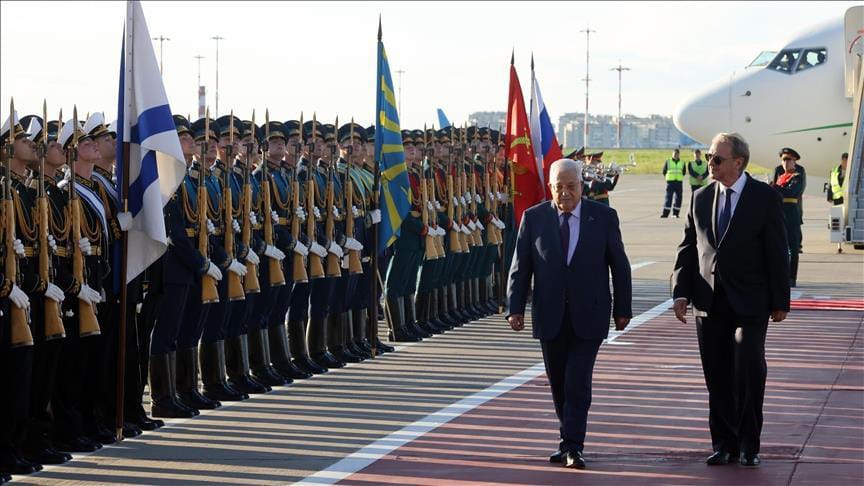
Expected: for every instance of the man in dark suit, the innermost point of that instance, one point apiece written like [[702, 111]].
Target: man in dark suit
[[569, 246], [733, 267]]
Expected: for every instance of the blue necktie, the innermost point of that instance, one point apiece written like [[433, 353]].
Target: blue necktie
[[565, 235], [725, 216]]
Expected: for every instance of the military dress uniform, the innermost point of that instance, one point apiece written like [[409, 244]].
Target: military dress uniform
[[799, 169], [791, 186]]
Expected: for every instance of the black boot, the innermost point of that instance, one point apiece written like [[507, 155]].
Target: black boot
[[462, 303], [411, 324], [300, 349], [432, 314], [352, 342], [422, 302], [187, 381], [317, 332], [453, 298], [280, 354], [173, 357], [398, 331], [237, 365], [259, 359], [337, 336], [360, 328], [163, 401], [213, 375], [444, 307]]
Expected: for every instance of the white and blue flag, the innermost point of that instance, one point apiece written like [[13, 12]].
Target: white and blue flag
[[156, 162]]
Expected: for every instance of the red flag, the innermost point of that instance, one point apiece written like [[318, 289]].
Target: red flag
[[520, 155]]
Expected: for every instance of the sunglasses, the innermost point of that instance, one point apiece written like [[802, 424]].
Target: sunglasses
[[716, 159]]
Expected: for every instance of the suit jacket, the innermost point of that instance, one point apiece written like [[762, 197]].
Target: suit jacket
[[581, 288], [751, 263]]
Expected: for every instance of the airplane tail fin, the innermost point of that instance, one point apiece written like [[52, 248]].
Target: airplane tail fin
[[443, 122]]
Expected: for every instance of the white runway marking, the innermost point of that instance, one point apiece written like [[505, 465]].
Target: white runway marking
[[359, 460]]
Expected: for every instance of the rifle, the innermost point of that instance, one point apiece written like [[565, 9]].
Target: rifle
[[354, 265], [334, 267], [235, 286], [277, 276], [461, 188], [299, 274], [19, 320], [431, 249], [476, 236], [88, 324], [251, 285], [54, 328], [209, 293], [452, 214], [493, 236], [316, 267]]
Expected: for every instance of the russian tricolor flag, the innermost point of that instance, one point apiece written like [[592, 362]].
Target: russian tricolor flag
[[543, 139]]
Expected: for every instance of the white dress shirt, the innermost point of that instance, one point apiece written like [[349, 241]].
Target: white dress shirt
[[574, 226], [738, 186]]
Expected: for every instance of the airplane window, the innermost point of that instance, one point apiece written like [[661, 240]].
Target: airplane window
[[812, 58], [785, 61], [763, 59]]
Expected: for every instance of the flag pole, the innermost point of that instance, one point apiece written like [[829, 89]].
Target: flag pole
[[124, 235], [373, 264]]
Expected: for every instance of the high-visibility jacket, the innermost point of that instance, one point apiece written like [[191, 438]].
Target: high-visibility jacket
[[674, 170], [837, 185], [698, 170]]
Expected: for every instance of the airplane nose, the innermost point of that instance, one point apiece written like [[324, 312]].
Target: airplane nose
[[706, 114]]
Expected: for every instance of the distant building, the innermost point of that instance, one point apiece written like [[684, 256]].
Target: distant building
[[491, 119], [654, 131]]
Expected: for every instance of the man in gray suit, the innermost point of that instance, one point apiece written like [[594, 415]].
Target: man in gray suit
[[569, 246]]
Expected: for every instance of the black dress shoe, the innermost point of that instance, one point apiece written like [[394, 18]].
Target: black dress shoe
[[574, 460], [19, 466], [45, 456], [131, 430], [77, 444], [721, 458], [557, 457], [381, 348], [102, 435], [749, 460], [5, 478]]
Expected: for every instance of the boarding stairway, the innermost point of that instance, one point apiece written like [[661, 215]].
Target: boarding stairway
[[848, 227]]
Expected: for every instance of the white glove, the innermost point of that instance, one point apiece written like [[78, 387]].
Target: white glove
[[125, 220], [434, 231], [19, 247], [318, 249], [274, 216], [437, 205], [214, 272], [301, 249], [19, 298], [465, 229], [89, 295], [355, 211], [455, 227], [253, 220], [376, 216], [467, 196], [429, 205], [299, 213], [455, 201], [498, 223], [353, 244], [335, 212], [84, 245], [235, 225], [464, 200], [252, 257], [477, 198], [316, 212], [211, 229], [502, 197], [54, 293], [471, 225], [479, 226], [237, 268], [274, 253], [52, 244], [335, 249]]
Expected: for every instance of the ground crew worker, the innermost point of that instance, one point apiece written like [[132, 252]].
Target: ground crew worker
[[697, 169], [674, 170]]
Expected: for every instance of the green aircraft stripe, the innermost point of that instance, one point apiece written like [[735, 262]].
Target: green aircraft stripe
[[825, 127]]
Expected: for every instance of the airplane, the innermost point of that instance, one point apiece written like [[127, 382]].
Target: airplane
[[799, 96]]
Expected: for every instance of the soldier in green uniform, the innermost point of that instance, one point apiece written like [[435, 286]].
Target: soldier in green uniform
[[791, 185], [697, 169]]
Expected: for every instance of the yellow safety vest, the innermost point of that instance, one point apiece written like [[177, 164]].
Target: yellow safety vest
[[836, 187], [674, 170], [701, 170]]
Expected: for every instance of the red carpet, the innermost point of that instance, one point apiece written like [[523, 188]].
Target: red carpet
[[827, 304]]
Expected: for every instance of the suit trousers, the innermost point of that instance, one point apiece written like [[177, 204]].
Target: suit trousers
[[732, 349], [569, 364]]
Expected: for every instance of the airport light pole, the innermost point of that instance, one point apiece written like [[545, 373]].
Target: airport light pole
[[161, 39], [620, 69], [217, 38], [400, 72], [587, 79], [202, 92]]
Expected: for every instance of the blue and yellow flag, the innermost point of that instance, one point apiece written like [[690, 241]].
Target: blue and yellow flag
[[395, 196]]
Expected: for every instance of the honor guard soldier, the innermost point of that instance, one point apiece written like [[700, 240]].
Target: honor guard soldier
[[401, 281], [279, 173], [20, 285], [600, 187], [45, 315], [674, 170], [780, 170], [486, 203], [74, 411], [698, 171], [791, 186]]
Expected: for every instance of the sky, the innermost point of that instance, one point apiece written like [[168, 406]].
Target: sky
[[321, 57]]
